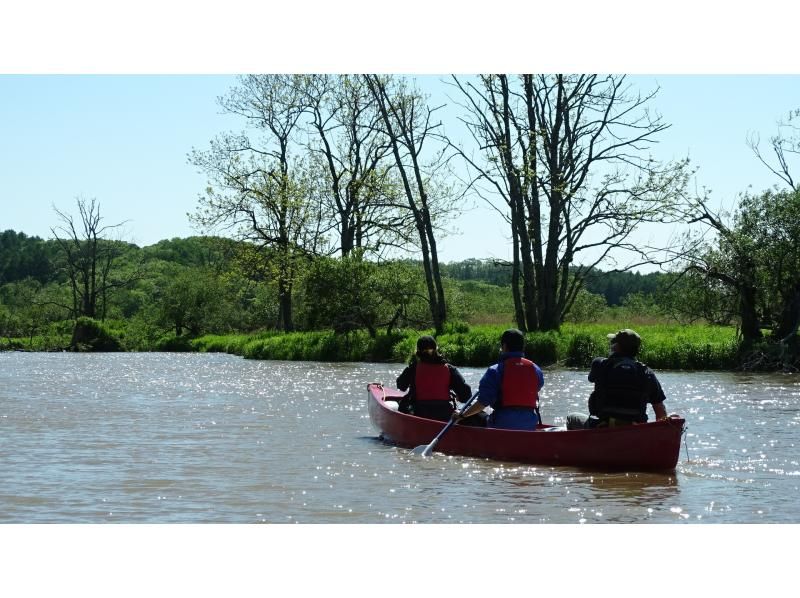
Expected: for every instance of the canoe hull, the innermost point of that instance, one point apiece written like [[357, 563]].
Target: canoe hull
[[653, 446]]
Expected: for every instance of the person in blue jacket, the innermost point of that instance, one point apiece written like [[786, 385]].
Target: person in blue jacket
[[510, 387]]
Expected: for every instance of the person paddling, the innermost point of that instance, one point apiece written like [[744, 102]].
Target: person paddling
[[430, 380], [511, 387], [623, 387]]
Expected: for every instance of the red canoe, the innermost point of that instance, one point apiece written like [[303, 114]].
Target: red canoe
[[653, 446]]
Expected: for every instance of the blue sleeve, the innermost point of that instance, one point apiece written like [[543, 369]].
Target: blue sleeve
[[539, 375], [487, 387]]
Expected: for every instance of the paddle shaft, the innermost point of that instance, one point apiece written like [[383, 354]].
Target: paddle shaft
[[429, 449]]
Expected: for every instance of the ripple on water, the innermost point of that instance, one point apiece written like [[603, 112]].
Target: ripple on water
[[215, 438]]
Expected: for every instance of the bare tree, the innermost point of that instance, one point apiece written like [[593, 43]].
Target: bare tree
[[90, 259], [785, 145], [490, 120], [346, 139], [568, 155], [406, 121]]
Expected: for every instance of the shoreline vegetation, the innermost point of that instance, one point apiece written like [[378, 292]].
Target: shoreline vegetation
[[664, 346]]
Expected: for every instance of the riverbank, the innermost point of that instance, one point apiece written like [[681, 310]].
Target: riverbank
[[664, 346]]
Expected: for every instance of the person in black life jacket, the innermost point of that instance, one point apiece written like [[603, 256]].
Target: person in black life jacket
[[430, 380], [623, 387], [511, 387]]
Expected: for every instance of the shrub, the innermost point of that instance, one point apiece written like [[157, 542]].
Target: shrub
[[542, 347], [582, 349], [170, 342], [91, 335]]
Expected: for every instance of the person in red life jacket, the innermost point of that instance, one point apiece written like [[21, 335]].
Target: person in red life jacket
[[510, 387], [623, 387], [430, 380]]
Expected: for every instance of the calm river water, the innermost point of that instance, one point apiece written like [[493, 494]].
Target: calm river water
[[191, 438]]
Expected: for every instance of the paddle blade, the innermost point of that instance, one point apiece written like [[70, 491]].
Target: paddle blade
[[423, 450]]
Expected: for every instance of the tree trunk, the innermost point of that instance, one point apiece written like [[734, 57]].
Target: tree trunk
[[519, 314], [790, 316], [433, 298], [441, 307], [751, 328], [285, 305]]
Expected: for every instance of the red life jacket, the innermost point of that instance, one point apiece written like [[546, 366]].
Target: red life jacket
[[432, 382], [520, 384]]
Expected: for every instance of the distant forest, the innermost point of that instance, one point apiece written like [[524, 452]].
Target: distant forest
[[613, 286], [147, 297], [30, 257]]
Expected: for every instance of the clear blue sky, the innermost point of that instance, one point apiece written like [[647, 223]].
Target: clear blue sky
[[124, 140]]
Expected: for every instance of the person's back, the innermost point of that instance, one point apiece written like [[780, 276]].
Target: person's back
[[430, 380], [623, 387], [518, 399], [511, 387]]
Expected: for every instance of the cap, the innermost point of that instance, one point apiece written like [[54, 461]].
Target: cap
[[628, 340]]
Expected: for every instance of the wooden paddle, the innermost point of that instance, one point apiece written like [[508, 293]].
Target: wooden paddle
[[426, 451]]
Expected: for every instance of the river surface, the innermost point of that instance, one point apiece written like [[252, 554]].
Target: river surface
[[212, 438]]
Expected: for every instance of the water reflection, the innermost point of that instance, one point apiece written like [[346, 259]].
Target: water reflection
[[636, 487], [215, 438]]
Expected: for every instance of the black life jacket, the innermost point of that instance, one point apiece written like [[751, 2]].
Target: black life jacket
[[432, 382], [519, 383], [620, 390]]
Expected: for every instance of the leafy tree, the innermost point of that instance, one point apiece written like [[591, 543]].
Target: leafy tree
[[352, 293], [689, 296], [588, 307], [260, 187], [22, 256], [31, 308], [754, 258], [493, 271], [772, 221], [211, 252], [192, 302]]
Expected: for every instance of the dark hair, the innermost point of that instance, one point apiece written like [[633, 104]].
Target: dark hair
[[427, 351], [513, 339], [426, 342]]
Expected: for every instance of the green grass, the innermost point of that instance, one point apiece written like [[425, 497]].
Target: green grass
[[696, 347], [664, 346], [307, 346]]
